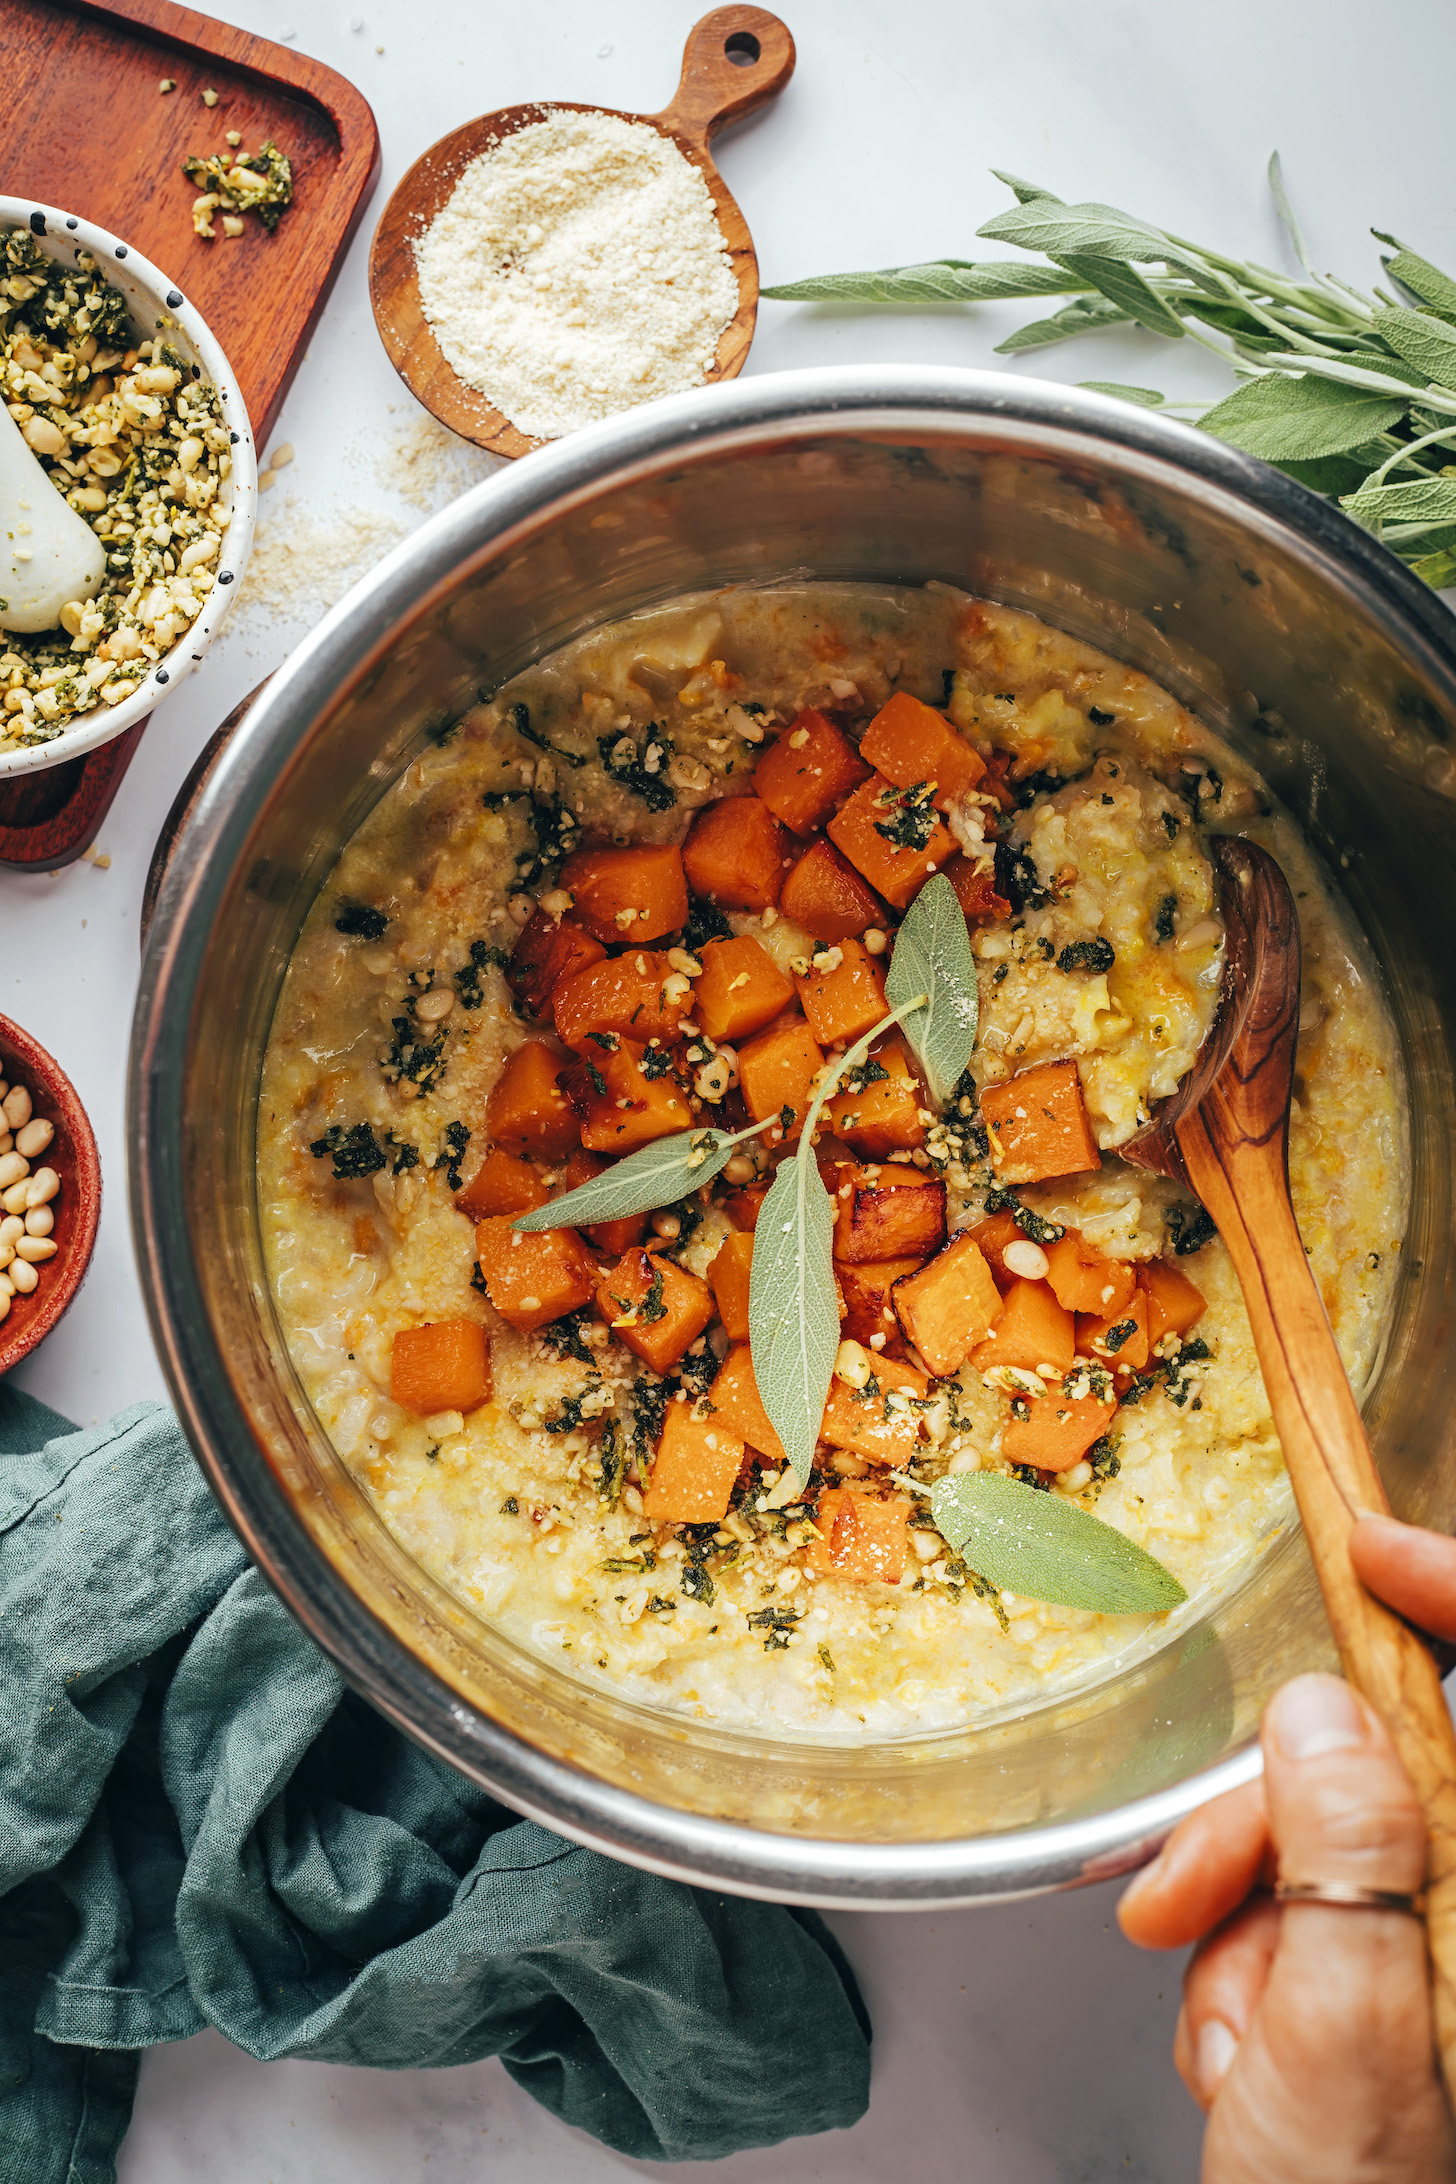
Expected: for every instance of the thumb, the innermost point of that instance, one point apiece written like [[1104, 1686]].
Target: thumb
[[1341, 1806]]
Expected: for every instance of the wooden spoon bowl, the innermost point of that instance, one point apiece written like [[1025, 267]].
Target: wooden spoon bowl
[[72, 1153], [735, 61]]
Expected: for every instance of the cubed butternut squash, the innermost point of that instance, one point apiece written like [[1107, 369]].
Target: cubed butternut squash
[[611, 1237], [869, 1307], [808, 773], [736, 1401], [825, 895], [653, 1305], [861, 1538], [890, 1211], [974, 881], [777, 1072], [1083, 1281], [741, 988], [443, 1366], [736, 854], [531, 1279], [741, 1207], [991, 1237], [527, 1111], [883, 1117], [949, 1305], [878, 1421], [1037, 1124], [893, 844], [619, 1105], [909, 742], [503, 1183], [1174, 1305], [548, 952], [1057, 1430], [694, 1469], [1119, 1340], [627, 894], [1033, 1330], [623, 994], [844, 1003], [728, 1280]]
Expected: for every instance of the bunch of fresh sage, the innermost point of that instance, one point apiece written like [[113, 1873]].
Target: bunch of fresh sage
[[1352, 394]]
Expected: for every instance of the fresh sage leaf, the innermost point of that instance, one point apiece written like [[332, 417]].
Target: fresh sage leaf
[[1098, 231], [1025, 193], [1145, 397], [943, 281], [933, 959], [1286, 213], [1298, 419], [1438, 570], [792, 1309], [1123, 285], [1047, 1548], [655, 1175], [1424, 500], [1083, 317], [1422, 341], [1435, 289]]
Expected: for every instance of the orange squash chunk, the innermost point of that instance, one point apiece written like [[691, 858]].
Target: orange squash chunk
[[897, 873], [441, 1367], [1174, 1305], [869, 1307], [1038, 1125], [885, 1117], [633, 1110], [825, 895], [736, 854], [910, 743], [736, 1401], [1121, 1339], [607, 884], [1083, 1281], [808, 773], [892, 1212], [949, 1306], [742, 1207], [728, 1280], [502, 1184], [991, 1238], [860, 1538], [612, 1237], [653, 1305], [867, 1421], [527, 1111], [1033, 1330], [976, 889], [694, 1469], [548, 951], [778, 1071], [1058, 1432], [741, 989], [845, 1003], [622, 994], [532, 1279]]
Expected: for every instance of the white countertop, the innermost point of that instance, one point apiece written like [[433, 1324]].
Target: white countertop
[[1026, 2044]]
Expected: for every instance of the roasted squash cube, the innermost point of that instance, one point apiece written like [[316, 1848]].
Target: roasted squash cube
[[1058, 1430], [442, 1366], [883, 1117], [825, 895], [610, 1237], [736, 854], [622, 995], [653, 1305], [878, 1421], [627, 894], [892, 1211], [808, 773], [741, 988], [527, 1110], [991, 1238], [531, 1279], [1083, 1281], [736, 1401], [1119, 1340], [844, 1003], [620, 1105], [949, 1306], [861, 1538], [502, 1183], [892, 842], [909, 742], [547, 953], [694, 1469], [728, 1280], [742, 1207], [1174, 1305], [1037, 1124], [974, 881], [1033, 1330], [869, 1307], [778, 1071]]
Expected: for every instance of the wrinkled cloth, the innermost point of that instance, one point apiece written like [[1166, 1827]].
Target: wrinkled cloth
[[200, 1825]]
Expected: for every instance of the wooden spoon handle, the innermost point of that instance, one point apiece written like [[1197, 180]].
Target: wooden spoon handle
[[735, 61]]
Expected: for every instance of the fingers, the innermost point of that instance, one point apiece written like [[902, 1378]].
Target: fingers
[[1204, 1871], [1411, 1570], [1221, 1991], [1341, 1807]]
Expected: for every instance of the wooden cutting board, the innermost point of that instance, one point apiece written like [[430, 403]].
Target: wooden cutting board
[[88, 129]]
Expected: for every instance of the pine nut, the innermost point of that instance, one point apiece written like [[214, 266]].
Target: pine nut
[[1026, 1259], [12, 1167], [12, 1228], [433, 1006], [34, 1136], [23, 1278], [42, 1187], [13, 1200], [39, 1221], [5, 1295], [852, 1364], [31, 1250], [875, 941], [7, 1253], [16, 1106], [737, 1169]]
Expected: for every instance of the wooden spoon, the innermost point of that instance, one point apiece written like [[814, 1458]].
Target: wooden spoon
[[1225, 1133], [735, 60]]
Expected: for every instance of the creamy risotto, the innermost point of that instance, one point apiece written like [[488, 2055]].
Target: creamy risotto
[[654, 883]]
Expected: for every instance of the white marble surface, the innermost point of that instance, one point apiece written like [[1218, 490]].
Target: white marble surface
[[1024, 2045]]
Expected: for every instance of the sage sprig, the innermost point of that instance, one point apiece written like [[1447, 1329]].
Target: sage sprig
[[1353, 394], [933, 958], [655, 1175], [1047, 1548]]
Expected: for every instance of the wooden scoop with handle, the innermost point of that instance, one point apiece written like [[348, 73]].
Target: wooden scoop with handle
[[1225, 1133]]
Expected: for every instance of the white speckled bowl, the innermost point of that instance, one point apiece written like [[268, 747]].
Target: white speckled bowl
[[156, 304]]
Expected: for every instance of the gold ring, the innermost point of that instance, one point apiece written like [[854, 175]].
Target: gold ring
[[1346, 1894]]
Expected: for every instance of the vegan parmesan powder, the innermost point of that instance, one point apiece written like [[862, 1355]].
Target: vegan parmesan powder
[[577, 270]]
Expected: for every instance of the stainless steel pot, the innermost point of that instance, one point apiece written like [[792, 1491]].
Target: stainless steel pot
[[1281, 623]]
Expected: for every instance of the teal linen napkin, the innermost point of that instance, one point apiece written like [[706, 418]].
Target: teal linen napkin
[[200, 1824]]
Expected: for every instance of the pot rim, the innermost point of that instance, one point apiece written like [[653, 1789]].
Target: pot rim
[[852, 399]]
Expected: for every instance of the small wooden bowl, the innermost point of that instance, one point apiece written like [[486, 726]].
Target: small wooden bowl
[[72, 1153], [735, 61]]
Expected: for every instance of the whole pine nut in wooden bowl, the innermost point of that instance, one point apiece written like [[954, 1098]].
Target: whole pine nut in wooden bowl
[[734, 62], [50, 1193]]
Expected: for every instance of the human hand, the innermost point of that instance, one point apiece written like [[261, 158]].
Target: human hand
[[1306, 2028]]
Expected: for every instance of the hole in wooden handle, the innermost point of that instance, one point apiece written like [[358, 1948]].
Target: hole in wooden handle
[[742, 49]]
